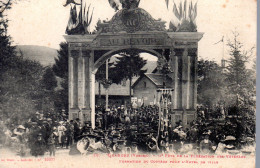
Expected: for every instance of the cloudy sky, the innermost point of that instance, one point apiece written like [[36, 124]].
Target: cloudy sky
[[43, 22]]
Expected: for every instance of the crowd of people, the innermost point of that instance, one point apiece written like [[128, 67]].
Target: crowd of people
[[38, 135], [120, 129]]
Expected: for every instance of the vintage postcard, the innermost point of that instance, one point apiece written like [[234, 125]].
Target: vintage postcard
[[128, 83]]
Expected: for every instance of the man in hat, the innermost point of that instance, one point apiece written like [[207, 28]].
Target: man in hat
[[134, 148], [193, 133], [206, 145], [51, 143], [127, 119], [39, 146], [85, 129], [19, 130], [112, 130], [76, 129], [45, 130], [69, 133], [21, 137], [32, 137]]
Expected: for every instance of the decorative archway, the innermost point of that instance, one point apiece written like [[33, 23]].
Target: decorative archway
[[109, 54], [132, 29]]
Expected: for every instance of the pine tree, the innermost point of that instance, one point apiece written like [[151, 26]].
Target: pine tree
[[7, 50], [241, 87], [49, 79], [60, 69], [240, 82]]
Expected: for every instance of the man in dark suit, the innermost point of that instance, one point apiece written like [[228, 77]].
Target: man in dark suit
[[76, 129]]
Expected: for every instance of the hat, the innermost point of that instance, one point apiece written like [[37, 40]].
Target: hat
[[206, 133], [21, 127], [230, 138], [249, 139]]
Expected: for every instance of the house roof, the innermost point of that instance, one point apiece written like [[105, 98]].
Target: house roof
[[156, 79]]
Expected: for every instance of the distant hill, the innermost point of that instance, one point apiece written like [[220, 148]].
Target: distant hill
[[44, 55]]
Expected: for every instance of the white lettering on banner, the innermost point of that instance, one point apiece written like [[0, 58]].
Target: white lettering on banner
[[131, 41]]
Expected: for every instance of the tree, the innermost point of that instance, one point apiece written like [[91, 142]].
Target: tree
[[7, 51], [5, 5], [60, 69], [128, 65], [241, 82], [21, 93], [211, 83], [49, 80], [19, 78]]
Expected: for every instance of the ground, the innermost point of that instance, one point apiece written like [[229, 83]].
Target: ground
[[9, 159]]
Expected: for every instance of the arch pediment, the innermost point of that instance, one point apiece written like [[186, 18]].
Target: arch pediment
[[132, 20]]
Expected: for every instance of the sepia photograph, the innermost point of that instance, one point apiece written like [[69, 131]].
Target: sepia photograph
[[128, 83]]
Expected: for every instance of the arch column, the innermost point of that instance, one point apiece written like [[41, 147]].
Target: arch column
[[184, 66], [81, 93], [73, 83], [86, 92]]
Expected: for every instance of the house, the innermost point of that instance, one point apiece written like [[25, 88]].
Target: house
[[119, 94], [145, 87]]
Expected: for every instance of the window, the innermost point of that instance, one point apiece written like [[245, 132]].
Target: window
[[124, 82], [144, 84]]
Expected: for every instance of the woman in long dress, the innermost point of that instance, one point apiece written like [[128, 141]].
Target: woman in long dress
[[61, 134]]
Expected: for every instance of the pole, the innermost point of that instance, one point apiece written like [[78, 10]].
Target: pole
[[107, 87], [223, 48], [159, 123]]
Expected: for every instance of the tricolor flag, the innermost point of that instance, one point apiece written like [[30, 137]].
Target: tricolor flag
[[183, 10], [86, 20], [73, 21]]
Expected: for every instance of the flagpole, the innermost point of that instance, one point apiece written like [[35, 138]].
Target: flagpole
[[107, 88], [223, 48]]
